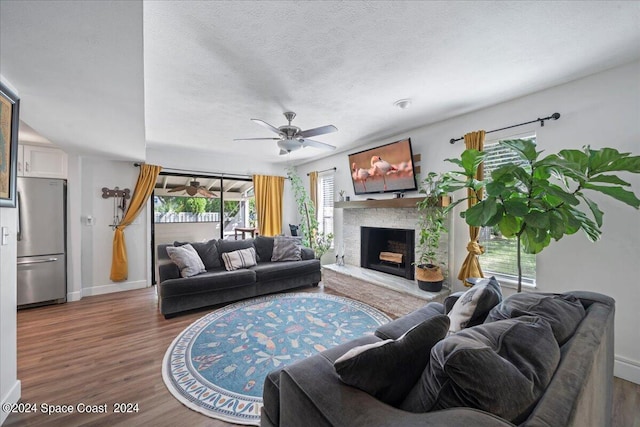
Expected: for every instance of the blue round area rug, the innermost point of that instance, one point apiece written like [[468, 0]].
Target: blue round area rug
[[218, 364]]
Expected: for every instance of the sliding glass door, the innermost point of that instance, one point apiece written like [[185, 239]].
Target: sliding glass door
[[196, 208]]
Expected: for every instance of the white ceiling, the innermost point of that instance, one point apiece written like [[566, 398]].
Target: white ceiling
[[113, 78]]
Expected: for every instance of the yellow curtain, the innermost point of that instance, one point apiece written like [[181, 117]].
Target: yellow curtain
[[313, 188], [269, 191], [144, 188], [471, 265]]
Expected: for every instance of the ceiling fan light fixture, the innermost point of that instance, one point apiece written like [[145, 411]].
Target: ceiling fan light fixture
[[293, 138], [403, 104]]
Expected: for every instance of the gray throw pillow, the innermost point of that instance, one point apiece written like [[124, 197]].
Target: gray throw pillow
[[264, 247], [187, 260], [501, 367], [388, 369], [287, 248], [563, 312], [208, 252], [473, 306]]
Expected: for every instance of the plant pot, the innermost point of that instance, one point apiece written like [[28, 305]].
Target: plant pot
[[429, 277]]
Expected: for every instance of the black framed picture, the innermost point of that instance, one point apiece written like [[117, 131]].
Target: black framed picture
[[9, 119]]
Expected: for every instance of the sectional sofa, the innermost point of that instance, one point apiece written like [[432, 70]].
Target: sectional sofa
[[533, 360]]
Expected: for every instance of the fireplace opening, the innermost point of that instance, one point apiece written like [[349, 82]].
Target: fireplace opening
[[389, 250]]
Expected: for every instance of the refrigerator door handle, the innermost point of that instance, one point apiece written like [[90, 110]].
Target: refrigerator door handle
[[39, 261], [19, 233]]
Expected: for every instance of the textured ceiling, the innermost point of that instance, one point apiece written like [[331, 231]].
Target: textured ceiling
[[113, 78]]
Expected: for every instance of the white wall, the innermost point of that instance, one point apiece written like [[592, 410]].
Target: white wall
[[600, 110], [9, 384], [74, 229], [97, 240]]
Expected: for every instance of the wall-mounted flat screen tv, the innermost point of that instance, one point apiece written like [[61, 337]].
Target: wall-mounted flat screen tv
[[387, 168]]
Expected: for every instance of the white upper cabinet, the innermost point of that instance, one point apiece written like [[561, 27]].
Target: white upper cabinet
[[41, 162]]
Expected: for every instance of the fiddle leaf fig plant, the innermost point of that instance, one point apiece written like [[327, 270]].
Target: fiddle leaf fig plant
[[542, 198]]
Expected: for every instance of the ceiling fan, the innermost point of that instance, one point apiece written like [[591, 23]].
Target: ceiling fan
[[193, 189], [292, 138]]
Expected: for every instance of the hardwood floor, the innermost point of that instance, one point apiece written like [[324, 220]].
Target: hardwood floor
[[108, 349]]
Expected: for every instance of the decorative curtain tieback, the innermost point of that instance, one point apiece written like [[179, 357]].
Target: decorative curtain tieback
[[475, 248]]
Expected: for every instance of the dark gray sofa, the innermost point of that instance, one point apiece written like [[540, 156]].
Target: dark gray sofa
[[310, 393], [216, 286]]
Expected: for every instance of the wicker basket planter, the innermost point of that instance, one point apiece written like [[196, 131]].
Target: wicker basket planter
[[429, 277]]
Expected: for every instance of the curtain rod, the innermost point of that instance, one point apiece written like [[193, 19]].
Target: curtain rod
[[326, 170], [554, 116], [199, 173]]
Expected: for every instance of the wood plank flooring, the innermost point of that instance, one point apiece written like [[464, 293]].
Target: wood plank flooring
[[108, 349]]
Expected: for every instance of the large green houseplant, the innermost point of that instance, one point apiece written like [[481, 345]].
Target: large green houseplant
[[431, 225], [544, 198]]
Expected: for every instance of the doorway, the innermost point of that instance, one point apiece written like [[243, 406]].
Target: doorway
[[198, 208]]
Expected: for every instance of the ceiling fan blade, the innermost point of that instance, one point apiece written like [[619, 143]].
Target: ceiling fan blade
[[206, 193], [256, 139], [267, 125], [317, 144], [317, 131], [176, 189]]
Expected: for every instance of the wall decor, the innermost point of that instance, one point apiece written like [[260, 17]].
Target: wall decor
[[9, 119], [119, 203]]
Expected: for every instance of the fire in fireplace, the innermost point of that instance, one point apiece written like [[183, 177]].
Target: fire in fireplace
[[390, 250]]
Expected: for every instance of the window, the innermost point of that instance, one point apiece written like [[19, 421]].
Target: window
[[500, 253], [324, 211]]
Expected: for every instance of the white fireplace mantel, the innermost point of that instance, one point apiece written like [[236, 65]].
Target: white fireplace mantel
[[398, 202]]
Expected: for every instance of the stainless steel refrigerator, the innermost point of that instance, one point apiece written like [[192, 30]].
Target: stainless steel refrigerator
[[42, 264]]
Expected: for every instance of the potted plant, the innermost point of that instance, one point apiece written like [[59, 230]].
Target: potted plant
[[544, 198], [342, 193], [432, 218]]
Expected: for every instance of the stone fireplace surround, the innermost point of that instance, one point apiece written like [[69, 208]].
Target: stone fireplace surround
[[392, 294], [353, 219]]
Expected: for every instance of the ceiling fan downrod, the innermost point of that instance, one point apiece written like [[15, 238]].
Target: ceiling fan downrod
[[289, 115]]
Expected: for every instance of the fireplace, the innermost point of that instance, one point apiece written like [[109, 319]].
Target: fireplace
[[390, 250]]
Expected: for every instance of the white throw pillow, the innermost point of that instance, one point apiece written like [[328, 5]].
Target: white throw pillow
[[187, 260], [242, 258], [464, 308]]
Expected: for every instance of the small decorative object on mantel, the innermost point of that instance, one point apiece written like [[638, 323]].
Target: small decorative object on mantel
[[342, 193], [119, 203], [339, 258]]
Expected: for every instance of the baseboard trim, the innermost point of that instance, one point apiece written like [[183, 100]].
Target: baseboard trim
[[626, 369], [12, 397], [114, 287], [74, 296]]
